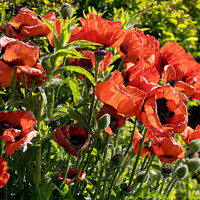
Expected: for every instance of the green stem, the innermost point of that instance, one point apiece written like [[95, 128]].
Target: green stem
[[162, 185], [144, 162], [121, 63], [115, 143], [66, 168], [13, 83], [79, 172], [137, 158], [131, 141], [113, 183], [171, 187], [25, 85]]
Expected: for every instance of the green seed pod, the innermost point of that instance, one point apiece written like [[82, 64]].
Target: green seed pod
[[166, 172], [182, 171], [193, 164], [66, 11], [99, 55], [104, 121], [195, 145], [117, 160], [140, 177]]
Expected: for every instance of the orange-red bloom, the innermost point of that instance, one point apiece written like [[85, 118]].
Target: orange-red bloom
[[74, 139], [26, 23], [16, 128], [96, 29], [72, 175], [189, 134], [4, 175], [24, 56], [117, 121], [163, 112], [123, 99]]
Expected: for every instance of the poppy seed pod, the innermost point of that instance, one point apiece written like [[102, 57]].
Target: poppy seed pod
[[193, 164], [117, 160], [166, 172], [99, 55], [66, 11], [104, 121], [182, 171], [140, 177], [195, 145], [126, 191]]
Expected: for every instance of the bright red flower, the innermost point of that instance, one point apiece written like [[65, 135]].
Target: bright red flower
[[24, 56], [16, 128], [189, 134], [123, 99], [4, 175], [163, 112], [117, 121], [171, 150], [72, 175], [96, 29], [74, 139]]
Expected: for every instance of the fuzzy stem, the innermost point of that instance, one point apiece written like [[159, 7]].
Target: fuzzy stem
[[13, 83], [137, 158], [25, 85]]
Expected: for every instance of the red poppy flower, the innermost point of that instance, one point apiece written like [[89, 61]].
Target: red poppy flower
[[74, 139], [24, 56], [131, 46], [171, 150], [10, 31], [163, 112], [123, 99], [16, 128], [141, 75], [72, 175], [96, 29], [27, 23], [4, 175], [189, 134], [117, 121]]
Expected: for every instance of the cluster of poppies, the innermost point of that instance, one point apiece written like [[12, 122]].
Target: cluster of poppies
[[153, 85]]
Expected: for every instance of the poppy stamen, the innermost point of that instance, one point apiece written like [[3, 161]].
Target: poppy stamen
[[77, 140]]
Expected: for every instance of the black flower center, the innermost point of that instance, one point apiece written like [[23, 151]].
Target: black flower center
[[71, 176], [162, 110], [3, 126], [77, 140], [172, 82]]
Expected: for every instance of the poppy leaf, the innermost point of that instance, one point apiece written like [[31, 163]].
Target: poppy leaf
[[74, 88], [66, 31], [51, 27], [76, 69], [60, 54], [45, 61], [50, 100], [80, 44]]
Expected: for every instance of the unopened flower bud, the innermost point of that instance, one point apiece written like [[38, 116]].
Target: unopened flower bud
[[166, 172], [104, 121], [66, 11], [195, 145], [182, 171], [193, 155], [193, 164], [126, 191], [140, 177], [117, 160], [99, 55]]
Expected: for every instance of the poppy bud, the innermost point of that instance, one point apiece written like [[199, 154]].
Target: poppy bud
[[126, 191], [99, 55], [193, 155], [166, 172], [182, 171], [117, 160], [140, 177], [66, 11], [195, 145], [104, 121], [193, 164]]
